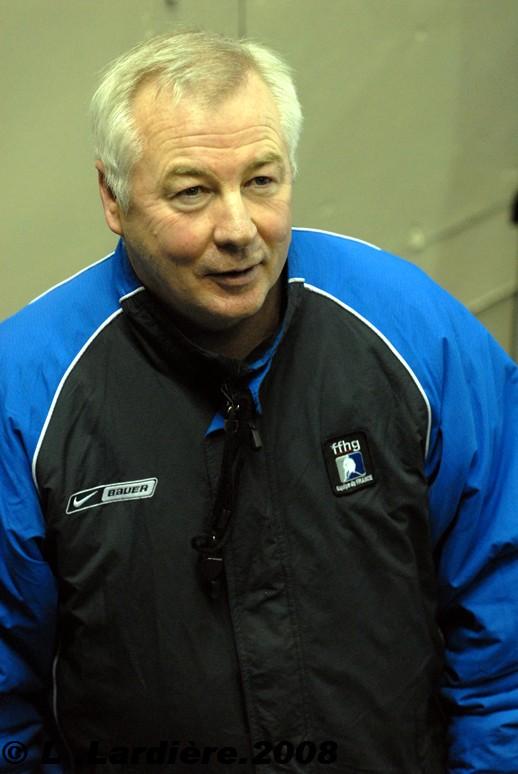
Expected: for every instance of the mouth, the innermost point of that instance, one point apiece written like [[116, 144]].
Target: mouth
[[235, 276]]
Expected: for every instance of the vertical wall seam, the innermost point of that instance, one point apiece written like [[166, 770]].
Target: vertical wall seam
[[241, 18]]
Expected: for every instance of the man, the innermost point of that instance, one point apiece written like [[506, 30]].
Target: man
[[259, 485]]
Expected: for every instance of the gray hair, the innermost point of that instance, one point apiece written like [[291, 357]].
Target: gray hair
[[206, 64]]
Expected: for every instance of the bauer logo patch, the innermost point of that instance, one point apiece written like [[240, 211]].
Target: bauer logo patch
[[111, 493], [348, 462]]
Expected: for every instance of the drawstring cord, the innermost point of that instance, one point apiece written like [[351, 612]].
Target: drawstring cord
[[209, 545]]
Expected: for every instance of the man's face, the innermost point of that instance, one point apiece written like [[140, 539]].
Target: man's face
[[209, 223]]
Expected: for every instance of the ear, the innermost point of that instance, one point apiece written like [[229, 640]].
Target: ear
[[111, 207]]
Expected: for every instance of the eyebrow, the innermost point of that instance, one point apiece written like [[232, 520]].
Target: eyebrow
[[184, 170], [268, 158]]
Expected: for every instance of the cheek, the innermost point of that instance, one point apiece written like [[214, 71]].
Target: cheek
[[183, 238], [277, 223]]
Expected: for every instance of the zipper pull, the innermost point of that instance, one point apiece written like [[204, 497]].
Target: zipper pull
[[210, 561], [231, 410], [255, 437], [232, 418]]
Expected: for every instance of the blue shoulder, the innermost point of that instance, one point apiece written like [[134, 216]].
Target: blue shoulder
[[362, 275], [396, 298], [41, 341]]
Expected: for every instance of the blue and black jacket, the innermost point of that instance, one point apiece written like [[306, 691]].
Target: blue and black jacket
[[316, 546]]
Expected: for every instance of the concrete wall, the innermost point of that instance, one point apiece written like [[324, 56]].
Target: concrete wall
[[410, 141]]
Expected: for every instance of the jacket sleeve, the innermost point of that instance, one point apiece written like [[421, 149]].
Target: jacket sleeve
[[28, 603], [473, 467]]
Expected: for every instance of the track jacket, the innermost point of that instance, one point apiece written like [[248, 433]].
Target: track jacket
[[308, 558]]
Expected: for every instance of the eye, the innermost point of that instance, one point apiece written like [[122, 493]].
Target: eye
[[191, 193], [262, 185], [192, 197], [261, 181]]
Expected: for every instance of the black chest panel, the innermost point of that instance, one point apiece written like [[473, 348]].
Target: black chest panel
[[326, 628]]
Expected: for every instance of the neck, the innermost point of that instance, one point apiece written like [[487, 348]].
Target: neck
[[239, 340], [236, 341]]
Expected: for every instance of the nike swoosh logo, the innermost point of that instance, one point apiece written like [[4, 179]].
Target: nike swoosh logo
[[77, 503]]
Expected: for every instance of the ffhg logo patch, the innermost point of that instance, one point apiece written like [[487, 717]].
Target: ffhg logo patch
[[348, 462]]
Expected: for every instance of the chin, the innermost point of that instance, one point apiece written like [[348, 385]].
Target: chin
[[222, 321], [230, 313]]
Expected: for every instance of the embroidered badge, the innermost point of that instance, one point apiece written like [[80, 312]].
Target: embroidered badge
[[111, 493], [349, 463]]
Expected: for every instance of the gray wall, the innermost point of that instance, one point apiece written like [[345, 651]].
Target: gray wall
[[410, 138]]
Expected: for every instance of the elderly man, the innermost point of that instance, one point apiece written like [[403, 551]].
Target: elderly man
[[259, 485]]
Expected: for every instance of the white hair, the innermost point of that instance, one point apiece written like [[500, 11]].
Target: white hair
[[205, 64]]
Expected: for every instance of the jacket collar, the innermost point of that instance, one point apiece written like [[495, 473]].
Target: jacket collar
[[171, 349]]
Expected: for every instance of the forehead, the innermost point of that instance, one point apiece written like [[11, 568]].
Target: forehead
[[246, 117]]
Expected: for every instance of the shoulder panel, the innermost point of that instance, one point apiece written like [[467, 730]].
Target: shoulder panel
[[40, 344]]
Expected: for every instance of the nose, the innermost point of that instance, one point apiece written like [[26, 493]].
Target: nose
[[234, 228]]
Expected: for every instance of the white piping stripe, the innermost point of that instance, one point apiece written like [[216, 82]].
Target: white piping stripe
[[392, 348], [58, 284], [132, 293], [65, 376], [60, 387], [297, 279], [55, 686], [55, 703], [333, 233]]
